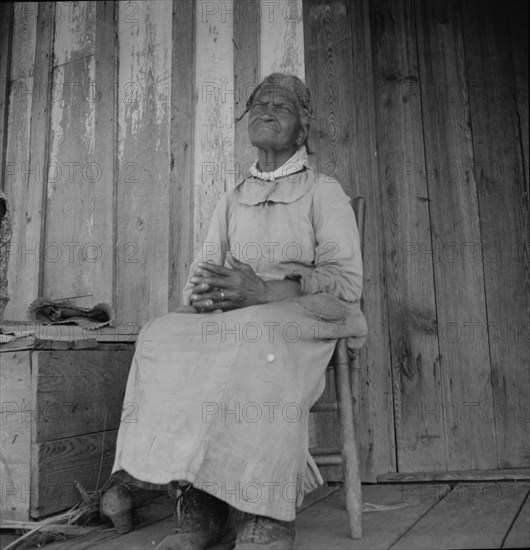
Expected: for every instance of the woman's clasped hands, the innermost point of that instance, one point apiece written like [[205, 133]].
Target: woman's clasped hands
[[219, 288]]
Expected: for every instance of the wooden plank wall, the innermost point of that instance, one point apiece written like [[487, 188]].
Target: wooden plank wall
[[119, 137], [342, 127]]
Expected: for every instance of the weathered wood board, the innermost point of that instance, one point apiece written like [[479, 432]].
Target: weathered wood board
[[15, 438], [60, 414], [58, 464], [246, 77], [404, 506], [519, 535], [417, 379], [214, 170], [181, 196], [143, 160], [79, 392], [23, 182], [455, 238], [470, 516], [503, 203], [373, 381]]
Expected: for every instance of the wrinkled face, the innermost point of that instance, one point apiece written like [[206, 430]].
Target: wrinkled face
[[274, 121]]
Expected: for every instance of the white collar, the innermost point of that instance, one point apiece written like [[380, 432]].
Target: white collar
[[296, 163]]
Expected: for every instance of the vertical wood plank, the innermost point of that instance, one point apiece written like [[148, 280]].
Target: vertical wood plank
[[15, 434], [374, 409], [26, 151], [143, 160], [23, 266], [503, 205], [77, 255], [455, 236], [420, 435], [104, 95], [338, 137], [181, 143], [23, 43], [246, 76], [282, 37], [518, 14], [214, 118], [75, 29], [6, 40]]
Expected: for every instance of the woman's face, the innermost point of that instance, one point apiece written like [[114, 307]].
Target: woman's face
[[274, 122]]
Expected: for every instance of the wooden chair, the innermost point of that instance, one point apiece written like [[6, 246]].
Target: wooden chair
[[347, 455]]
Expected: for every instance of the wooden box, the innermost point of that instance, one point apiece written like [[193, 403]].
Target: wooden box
[[61, 411]]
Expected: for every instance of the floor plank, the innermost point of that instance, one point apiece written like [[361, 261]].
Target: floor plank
[[152, 512], [396, 509], [506, 474], [472, 515], [400, 516], [519, 535]]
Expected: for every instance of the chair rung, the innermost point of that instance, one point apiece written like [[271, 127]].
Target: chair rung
[[325, 407], [328, 460], [319, 451]]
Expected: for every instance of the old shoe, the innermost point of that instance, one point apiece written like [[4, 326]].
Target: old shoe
[[263, 533], [202, 521]]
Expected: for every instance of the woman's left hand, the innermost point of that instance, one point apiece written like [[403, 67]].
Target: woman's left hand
[[224, 288]]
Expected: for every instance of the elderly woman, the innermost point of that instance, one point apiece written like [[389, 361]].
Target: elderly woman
[[224, 385]]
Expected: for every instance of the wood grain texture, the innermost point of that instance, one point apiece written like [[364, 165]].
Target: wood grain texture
[[75, 24], [373, 372], [470, 516], [325, 525], [57, 464], [246, 77], [76, 244], [182, 126], [6, 40], [519, 535], [15, 434], [282, 37], [214, 116], [455, 237], [420, 435], [518, 16], [503, 203], [104, 95], [79, 392], [26, 167], [143, 161], [338, 138], [72, 333], [22, 186], [457, 475]]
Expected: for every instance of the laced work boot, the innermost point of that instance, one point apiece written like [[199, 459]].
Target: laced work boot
[[201, 521], [263, 533]]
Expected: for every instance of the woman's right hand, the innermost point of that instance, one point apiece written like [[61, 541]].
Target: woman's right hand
[[199, 289]]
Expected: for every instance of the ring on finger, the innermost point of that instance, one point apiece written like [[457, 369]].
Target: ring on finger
[[222, 295]]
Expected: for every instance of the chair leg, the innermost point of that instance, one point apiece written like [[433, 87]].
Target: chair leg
[[350, 458]]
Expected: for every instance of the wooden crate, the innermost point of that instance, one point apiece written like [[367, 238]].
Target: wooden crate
[[60, 411]]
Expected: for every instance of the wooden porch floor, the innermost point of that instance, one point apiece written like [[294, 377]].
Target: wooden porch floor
[[397, 516]]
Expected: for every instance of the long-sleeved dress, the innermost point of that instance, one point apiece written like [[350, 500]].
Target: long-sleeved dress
[[222, 399]]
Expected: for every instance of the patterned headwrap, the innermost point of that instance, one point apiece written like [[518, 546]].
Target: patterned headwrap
[[293, 87]]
